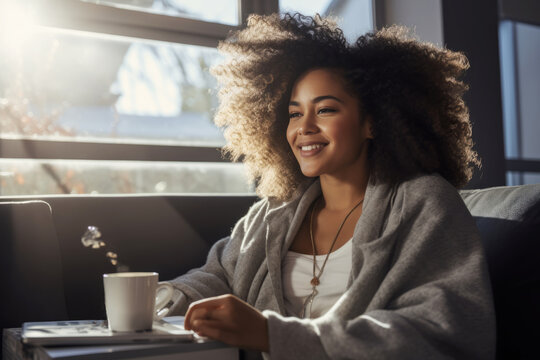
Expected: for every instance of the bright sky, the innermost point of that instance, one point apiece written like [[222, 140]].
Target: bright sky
[[305, 7]]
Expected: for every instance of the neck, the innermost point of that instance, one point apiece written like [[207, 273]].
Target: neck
[[342, 192]]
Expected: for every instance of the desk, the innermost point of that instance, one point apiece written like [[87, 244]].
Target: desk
[[13, 349]]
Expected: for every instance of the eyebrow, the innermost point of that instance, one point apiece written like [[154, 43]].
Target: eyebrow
[[317, 99]]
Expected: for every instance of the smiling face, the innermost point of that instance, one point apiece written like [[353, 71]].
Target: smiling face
[[327, 132]]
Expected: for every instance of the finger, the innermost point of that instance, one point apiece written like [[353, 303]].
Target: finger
[[215, 301], [205, 324], [209, 304], [219, 316], [193, 314], [213, 329], [199, 314], [196, 311]]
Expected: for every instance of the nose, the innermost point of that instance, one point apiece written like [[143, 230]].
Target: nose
[[307, 125]]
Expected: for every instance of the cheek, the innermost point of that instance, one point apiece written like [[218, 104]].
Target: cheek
[[291, 135], [344, 132]]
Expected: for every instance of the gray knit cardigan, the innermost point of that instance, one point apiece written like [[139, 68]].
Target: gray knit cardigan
[[418, 288]]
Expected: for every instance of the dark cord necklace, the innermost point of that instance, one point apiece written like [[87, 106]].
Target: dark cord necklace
[[315, 281]]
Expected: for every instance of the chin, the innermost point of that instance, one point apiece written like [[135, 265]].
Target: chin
[[311, 172]]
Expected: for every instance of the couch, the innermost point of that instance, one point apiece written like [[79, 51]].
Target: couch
[[47, 274], [509, 222]]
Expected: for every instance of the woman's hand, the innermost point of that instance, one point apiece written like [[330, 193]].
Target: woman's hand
[[230, 320]]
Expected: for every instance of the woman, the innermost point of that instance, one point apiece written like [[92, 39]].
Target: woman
[[361, 246]]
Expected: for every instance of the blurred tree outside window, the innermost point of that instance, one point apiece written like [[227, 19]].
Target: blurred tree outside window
[[67, 84]]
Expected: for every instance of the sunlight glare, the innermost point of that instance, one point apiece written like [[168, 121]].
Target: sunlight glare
[[16, 24]]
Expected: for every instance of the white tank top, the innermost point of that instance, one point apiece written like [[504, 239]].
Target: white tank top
[[297, 272]]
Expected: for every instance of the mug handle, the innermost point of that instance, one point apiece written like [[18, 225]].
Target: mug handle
[[164, 294]]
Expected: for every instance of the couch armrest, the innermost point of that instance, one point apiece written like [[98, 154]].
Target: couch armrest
[[30, 265]]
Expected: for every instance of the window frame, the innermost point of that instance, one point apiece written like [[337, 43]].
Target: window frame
[[111, 20]]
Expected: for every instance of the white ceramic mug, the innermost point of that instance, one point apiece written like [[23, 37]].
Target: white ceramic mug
[[134, 299]]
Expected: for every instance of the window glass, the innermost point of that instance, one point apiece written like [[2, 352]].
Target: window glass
[[37, 177], [221, 11], [528, 72], [77, 86], [520, 78], [522, 178], [354, 17]]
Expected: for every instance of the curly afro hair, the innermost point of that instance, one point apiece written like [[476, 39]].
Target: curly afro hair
[[410, 89]]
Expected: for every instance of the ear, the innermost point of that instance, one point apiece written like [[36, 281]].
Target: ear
[[368, 126]]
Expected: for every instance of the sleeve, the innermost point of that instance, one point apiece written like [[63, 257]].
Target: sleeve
[[434, 302], [215, 277], [212, 279]]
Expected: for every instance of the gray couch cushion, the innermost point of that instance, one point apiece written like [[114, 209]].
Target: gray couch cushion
[[509, 221]]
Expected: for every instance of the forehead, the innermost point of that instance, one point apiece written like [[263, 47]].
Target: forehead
[[320, 81]]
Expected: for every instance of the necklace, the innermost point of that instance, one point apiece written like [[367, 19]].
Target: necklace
[[315, 281]]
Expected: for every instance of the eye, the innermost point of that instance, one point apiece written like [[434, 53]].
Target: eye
[[326, 111], [294, 115]]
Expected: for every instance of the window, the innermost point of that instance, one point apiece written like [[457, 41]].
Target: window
[[112, 97], [520, 79]]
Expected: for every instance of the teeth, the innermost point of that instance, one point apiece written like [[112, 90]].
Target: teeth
[[311, 147]]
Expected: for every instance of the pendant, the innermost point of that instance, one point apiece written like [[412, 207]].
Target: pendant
[[315, 281], [309, 301]]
